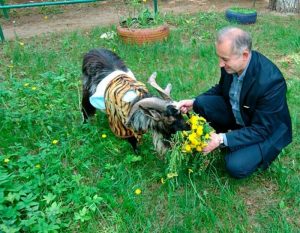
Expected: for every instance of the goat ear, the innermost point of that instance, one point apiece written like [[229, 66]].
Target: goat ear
[[153, 114]]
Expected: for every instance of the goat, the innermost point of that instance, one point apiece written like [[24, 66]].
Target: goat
[[132, 111]]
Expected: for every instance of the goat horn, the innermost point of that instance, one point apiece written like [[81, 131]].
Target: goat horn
[[165, 93], [152, 102], [168, 89]]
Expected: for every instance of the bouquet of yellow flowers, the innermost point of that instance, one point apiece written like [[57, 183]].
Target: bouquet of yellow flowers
[[186, 149]]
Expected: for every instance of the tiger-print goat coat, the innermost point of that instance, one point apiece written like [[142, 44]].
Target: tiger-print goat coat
[[117, 109]]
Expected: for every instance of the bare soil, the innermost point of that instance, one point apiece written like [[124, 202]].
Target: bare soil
[[29, 22]]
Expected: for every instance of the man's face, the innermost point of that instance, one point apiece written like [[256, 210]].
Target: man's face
[[232, 63]]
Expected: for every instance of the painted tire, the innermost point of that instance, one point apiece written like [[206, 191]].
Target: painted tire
[[246, 18], [141, 36]]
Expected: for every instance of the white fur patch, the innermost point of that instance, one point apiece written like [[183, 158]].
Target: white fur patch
[[129, 96], [97, 99]]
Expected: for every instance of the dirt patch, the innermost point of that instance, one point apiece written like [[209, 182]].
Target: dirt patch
[[259, 199], [29, 22]]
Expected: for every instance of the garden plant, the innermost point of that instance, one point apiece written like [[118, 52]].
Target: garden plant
[[142, 24]]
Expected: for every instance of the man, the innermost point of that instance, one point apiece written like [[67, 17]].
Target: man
[[247, 108]]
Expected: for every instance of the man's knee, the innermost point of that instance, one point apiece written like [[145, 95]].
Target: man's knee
[[243, 162], [236, 171]]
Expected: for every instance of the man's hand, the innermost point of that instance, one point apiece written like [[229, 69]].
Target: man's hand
[[185, 105], [215, 141]]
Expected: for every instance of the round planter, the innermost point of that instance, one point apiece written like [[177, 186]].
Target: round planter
[[145, 35], [241, 18]]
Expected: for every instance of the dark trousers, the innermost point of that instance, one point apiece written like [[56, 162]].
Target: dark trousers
[[240, 162]]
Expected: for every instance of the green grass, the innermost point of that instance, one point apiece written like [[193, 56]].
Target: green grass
[[86, 183], [243, 10]]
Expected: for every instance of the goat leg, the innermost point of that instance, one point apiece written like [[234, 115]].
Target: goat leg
[[133, 141], [86, 107]]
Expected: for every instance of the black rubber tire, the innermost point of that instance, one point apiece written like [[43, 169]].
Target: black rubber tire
[[241, 18]]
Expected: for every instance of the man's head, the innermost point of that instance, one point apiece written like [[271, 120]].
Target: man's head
[[233, 47]]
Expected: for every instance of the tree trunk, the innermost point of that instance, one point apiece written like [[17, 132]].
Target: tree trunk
[[272, 5], [285, 6]]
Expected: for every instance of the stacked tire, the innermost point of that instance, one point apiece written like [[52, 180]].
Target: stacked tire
[[241, 18]]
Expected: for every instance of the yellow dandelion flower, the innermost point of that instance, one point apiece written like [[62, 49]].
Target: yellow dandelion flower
[[138, 191], [6, 160], [194, 127], [54, 142], [194, 120], [21, 43], [46, 17], [207, 136], [199, 131], [104, 135], [199, 148], [172, 174], [162, 180], [187, 148], [192, 136], [190, 141], [26, 84], [193, 146], [33, 88], [38, 166], [195, 142]]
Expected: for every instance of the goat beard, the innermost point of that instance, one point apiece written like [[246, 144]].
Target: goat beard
[[160, 144], [142, 123]]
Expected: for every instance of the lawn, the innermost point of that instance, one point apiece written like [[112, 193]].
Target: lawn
[[59, 175]]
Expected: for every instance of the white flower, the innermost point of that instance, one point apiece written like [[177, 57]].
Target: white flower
[[108, 35]]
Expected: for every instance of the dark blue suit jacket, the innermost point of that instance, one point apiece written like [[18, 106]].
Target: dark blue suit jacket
[[263, 108]]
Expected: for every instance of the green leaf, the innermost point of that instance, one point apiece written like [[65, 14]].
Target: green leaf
[[10, 212], [132, 159], [82, 215], [9, 229], [49, 197], [281, 204], [4, 178], [12, 196], [54, 209], [29, 222]]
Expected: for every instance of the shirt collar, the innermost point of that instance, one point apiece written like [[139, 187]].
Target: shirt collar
[[241, 77]]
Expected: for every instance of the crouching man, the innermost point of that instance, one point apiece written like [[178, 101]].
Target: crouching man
[[247, 108]]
